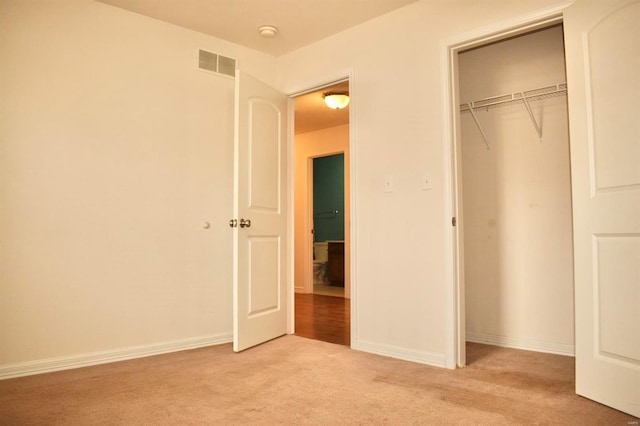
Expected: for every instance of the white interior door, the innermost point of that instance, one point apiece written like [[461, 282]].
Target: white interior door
[[260, 200], [603, 76]]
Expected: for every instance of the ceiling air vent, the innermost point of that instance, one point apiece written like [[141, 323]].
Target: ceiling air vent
[[209, 61]]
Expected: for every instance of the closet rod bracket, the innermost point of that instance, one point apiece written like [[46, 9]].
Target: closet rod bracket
[[533, 119], [473, 114]]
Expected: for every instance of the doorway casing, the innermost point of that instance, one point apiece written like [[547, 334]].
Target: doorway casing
[[312, 86]]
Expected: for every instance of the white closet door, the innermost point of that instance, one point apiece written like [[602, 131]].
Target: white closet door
[[603, 76]]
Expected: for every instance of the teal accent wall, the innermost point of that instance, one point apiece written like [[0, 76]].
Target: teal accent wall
[[328, 197]]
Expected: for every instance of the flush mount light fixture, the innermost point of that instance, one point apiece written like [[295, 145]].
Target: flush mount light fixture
[[268, 31], [336, 100]]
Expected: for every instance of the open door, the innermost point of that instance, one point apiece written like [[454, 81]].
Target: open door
[[603, 76], [260, 212]]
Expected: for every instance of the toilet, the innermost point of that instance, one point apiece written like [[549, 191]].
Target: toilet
[[321, 256]]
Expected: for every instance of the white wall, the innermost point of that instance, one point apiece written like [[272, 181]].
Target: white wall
[[517, 199], [400, 288], [309, 145], [114, 151]]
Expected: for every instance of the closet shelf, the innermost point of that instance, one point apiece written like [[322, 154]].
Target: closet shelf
[[524, 98], [539, 94]]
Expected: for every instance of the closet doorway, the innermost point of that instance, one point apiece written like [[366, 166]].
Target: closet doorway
[[321, 217], [514, 194]]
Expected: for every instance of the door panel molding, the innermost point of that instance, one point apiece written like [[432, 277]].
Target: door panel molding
[[611, 127]]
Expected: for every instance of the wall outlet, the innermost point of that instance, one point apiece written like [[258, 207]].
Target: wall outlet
[[426, 182]]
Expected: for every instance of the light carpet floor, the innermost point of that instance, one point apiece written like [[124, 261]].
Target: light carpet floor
[[297, 381]]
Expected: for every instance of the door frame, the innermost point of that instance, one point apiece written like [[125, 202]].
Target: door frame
[[455, 355], [311, 86], [308, 284]]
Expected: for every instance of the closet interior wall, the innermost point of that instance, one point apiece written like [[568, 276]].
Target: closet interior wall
[[517, 225]]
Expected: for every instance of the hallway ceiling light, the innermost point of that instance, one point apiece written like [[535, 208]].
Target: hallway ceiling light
[[336, 100], [268, 31]]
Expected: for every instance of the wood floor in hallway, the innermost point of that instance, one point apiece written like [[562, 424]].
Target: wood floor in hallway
[[325, 318]]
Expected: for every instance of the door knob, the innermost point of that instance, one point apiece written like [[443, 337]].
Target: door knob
[[233, 223], [245, 223]]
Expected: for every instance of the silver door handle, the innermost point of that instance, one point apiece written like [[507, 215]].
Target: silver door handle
[[245, 223]]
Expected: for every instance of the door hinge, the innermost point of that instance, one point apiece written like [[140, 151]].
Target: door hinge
[[454, 222]]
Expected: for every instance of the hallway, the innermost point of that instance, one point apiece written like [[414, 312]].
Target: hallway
[[323, 318]]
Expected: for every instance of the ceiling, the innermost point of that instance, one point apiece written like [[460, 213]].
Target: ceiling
[[300, 22]]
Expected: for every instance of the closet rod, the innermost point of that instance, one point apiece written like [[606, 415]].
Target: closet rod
[[513, 98]]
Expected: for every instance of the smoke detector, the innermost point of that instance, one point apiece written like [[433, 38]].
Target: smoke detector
[[268, 31]]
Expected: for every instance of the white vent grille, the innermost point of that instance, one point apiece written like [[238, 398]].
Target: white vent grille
[[209, 61]]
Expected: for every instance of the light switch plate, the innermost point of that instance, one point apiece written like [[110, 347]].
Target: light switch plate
[[388, 184], [426, 182]]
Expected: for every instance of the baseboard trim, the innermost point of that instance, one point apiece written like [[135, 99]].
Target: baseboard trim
[[96, 358], [433, 359], [518, 343]]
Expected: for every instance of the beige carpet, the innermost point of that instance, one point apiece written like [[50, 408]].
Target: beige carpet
[[293, 380]]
